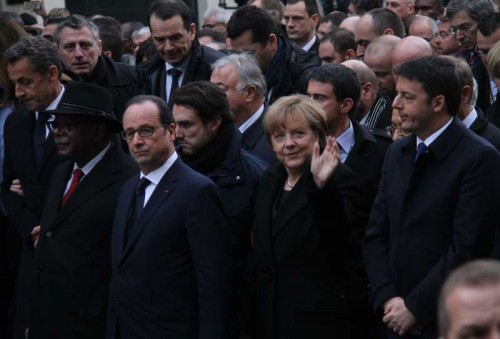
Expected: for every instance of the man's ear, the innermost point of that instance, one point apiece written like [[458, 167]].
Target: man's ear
[[215, 124], [346, 105], [438, 103], [466, 95], [350, 54], [252, 91], [109, 54]]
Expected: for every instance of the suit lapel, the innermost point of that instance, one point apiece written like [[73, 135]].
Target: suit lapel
[[295, 202], [162, 191], [92, 184], [406, 161]]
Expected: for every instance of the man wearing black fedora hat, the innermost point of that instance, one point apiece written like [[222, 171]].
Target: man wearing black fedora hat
[[72, 261]]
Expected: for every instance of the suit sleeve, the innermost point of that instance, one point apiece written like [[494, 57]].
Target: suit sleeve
[[205, 226], [475, 223], [375, 247]]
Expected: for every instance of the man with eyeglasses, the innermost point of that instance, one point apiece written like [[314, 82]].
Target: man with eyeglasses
[[72, 266], [180, 58], [464, 17], [445, 41], [215, 18], [170, 260]]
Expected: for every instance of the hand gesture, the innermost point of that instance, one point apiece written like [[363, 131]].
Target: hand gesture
[[323, 166]]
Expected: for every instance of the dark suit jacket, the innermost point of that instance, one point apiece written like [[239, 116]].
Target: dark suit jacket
[[301, 256], [25, 211], [171, 278], [72, 261], [365, 159], [199, 67], [255, 141], [482, 127], [430, 217]]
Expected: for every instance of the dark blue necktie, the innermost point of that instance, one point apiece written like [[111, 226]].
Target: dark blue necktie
[[137, 206], [175, 74], [421, 149]]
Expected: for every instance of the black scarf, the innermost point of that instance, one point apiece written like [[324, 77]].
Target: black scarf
[[273, 70], [212, 154]]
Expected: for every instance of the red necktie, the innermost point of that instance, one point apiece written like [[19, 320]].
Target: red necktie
[[77, 176]]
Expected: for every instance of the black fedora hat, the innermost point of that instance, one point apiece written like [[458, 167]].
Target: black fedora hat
[[80, 98]]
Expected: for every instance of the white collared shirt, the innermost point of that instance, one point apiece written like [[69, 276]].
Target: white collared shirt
[[89, 166], [252, 119], [50, 107], [168, 78], [434, 135], [155, 176], [469, 120], [346, 142], [310, 43]]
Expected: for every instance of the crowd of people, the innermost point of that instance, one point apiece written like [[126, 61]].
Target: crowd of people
[[307, 169]]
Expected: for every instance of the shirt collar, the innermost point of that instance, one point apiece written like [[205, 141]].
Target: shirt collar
[[469, 120], [346, 140], [156, 175], [434, 135], [310, 43], [252, 119]]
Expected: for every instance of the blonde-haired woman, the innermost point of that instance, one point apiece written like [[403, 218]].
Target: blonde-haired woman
[[301, 231]]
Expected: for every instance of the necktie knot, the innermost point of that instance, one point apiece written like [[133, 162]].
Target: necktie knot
[[142, 184], [174, 73], [77, 175], [421, 149]]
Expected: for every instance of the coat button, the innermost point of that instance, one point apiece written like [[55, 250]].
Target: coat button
[[48, 234]]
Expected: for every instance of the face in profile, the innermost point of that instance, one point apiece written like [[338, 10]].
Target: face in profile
[[293, 143]]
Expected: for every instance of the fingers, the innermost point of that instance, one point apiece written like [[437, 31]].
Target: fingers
[[316, 150]]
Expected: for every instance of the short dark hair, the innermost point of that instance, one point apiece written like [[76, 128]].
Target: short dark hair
[[341, 39], [207, 99], [113, 43], [344, 81], [476, 9], [251, 18], [165, 9], [334, 18], [489, 24], [40, 52], [166, 117], [363, 6], [108, 25], [437, 76], [311, 6], [475, 274], [384, 19], [77, 22]]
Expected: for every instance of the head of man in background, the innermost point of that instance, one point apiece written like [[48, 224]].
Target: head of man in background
[[301, 18]]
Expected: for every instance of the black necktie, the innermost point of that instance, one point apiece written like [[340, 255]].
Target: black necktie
[[175, 74], [421, 149], [39, 137], [137, 206]]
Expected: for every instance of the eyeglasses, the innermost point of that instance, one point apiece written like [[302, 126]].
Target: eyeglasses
[[393, 129], [66, 127], [429, 39], [464, 28], [144, 132], [208, 26]]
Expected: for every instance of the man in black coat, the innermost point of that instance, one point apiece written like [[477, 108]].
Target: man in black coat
[[79, 48], [240, 77], [337, 89], [181, 58], [30, 153], [284, 65], [72, 266], [436, 207]]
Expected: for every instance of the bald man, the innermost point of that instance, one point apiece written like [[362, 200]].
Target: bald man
[[350, 23], [408, 49], [373, 111], [378, 58], [425, 28]]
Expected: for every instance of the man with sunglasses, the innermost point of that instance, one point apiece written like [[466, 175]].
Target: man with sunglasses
[[72, 265]]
